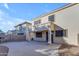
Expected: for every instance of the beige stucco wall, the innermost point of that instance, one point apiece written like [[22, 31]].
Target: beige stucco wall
[[26, 31], [43, 20], [69, 19]]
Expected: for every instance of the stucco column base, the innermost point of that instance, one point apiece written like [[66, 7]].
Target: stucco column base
[[49, 43]]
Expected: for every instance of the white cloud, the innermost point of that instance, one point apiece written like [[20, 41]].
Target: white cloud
[[7, 22], [6, 6]]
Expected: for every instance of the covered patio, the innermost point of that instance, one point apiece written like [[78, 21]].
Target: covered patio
[[46, 32]]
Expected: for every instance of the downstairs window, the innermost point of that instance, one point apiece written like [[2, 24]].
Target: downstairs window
[[61, 33], [38, 34]]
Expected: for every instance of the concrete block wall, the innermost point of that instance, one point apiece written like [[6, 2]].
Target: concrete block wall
[[13, 37]]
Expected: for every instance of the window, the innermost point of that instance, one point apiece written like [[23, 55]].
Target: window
[[60, 33], [38, 34], [20, 33], [51, 18], [37, 22], [20, 28]]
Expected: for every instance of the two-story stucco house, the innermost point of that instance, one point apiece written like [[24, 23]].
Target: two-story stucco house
[[11, 32], [58, 26], [24, 29]]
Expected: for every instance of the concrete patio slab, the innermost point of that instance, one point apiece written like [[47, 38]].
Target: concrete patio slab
[[31, 48]]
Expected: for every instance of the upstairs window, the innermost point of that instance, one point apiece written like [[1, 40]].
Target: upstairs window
[[51, 17], [37, 22], [20, 28]]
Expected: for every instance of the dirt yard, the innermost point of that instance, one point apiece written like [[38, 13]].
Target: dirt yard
[[68, 50]]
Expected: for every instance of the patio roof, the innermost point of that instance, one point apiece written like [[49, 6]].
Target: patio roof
[[40, 29]]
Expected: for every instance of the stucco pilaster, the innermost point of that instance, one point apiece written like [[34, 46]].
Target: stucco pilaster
[[49, 36]]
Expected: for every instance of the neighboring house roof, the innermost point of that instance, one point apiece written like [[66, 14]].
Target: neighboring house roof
[[23, 23], [11, 30], [66, 6]]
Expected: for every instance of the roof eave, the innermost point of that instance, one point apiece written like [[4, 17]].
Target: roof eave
[[67, 6]]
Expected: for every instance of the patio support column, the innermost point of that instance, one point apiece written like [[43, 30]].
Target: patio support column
[[49, 36], [28, 35]]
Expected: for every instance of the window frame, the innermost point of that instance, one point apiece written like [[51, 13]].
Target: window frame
[[20, 33], [37, 22], [59, 33], [63, 34], [51, 18]]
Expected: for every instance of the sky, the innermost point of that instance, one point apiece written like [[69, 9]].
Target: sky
[[12, 14]]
